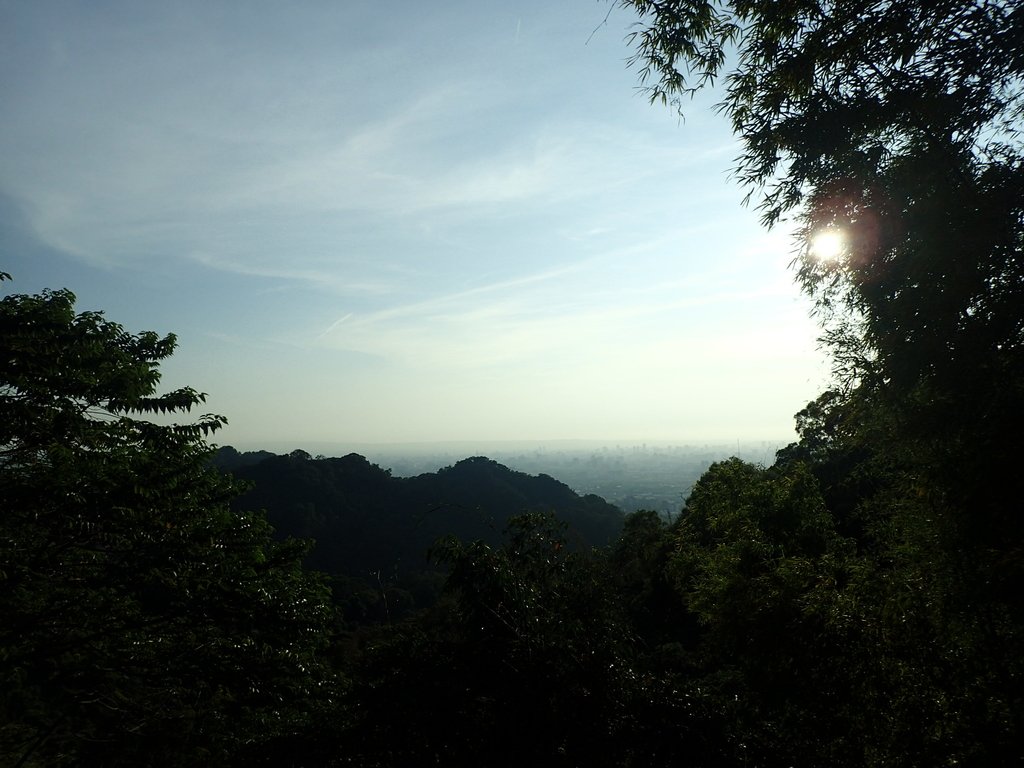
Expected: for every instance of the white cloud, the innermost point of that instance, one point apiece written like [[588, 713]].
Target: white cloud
[[468, 194]]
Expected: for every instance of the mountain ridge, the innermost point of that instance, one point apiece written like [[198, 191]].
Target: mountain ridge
[[372, 531]]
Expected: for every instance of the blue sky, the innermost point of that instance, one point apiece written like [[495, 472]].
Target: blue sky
[[399, 221]]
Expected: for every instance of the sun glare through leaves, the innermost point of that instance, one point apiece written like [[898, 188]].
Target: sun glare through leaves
[[827, 245]]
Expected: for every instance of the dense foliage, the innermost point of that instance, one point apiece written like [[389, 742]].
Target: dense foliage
[[144, 622], [896, 127]]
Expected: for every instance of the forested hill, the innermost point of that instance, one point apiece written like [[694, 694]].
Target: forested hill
[[370, 526]]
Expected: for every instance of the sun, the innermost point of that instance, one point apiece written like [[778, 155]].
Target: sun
[[827, 245]]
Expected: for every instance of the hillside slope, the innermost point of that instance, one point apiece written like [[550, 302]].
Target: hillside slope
[[373, 532]]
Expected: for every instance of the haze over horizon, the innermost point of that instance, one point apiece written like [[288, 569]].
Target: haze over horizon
[[447, 222]]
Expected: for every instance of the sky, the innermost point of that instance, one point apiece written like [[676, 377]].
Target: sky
[[395, 221]]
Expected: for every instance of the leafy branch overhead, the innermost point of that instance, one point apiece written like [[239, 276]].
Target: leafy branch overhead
[[821, 91], [894, 128]]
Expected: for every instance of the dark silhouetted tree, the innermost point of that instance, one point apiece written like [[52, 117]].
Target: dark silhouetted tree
[[897, 127], [144, 622]]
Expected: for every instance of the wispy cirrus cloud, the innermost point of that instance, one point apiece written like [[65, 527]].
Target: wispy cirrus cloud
[[423, 214]]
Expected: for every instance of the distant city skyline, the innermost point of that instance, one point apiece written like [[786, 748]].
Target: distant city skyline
[[454, 221], [652, 476]]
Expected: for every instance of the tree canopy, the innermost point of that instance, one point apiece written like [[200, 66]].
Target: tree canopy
[[895, 127], [826, 91], [144, 621]]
